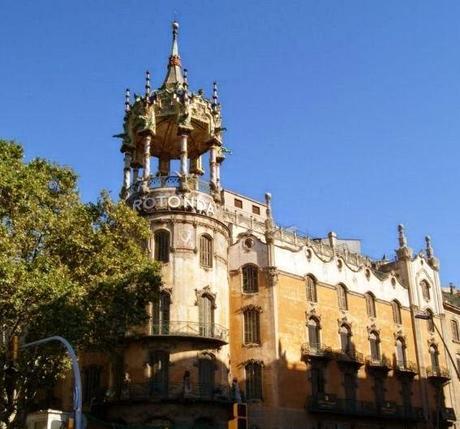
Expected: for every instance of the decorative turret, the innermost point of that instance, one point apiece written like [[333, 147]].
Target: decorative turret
[[172, 123], [404, 252]]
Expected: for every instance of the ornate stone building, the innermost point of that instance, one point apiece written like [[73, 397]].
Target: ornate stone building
[[308, 332]]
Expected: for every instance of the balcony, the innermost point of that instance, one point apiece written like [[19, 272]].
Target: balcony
[[209, 332], [330, 404], [405, 368], [160, 392], [437, 374], [195, 184], [316, 351], [378, 363], [351, 358]]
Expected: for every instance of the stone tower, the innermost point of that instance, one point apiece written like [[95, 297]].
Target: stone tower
[[180, 363]]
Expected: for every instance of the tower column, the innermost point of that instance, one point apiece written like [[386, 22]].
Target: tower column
[[127, 171], [163, 167], [213, 166], [147, 140], [183, 153]]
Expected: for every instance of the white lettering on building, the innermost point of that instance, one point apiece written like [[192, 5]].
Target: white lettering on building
[[162, 202]]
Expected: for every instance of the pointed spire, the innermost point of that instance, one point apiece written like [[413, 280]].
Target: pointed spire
[[147, 83], [127, 97], [402, 236], [174, 74], [429, 247]]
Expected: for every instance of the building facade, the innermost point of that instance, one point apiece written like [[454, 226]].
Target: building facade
[[308, 332]]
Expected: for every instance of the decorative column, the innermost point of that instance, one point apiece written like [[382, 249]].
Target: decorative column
[[183, 153], [127, 171], [135, 173], [213, 166], [163, 167], [147, 140], [196, 166]]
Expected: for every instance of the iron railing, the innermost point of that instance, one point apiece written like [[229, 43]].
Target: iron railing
[[191, 329], [378, 362], [405, 366], [349, 356], [437, 372], [156, 182], [157, 391], [328, 403]]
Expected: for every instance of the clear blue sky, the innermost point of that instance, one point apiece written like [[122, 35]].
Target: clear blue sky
[[347, 111]]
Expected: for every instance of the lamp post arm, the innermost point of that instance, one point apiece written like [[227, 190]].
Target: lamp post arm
[[77, 399]]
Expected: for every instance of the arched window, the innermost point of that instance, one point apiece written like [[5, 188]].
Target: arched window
[[160, 313], [396, 306], [206, 251], [400, 353], [345, 339], [430, 321], [253, 380], [425, 287], [251, 326], [374, 343], [250, 278], [161, 239], [342, 296], [434, 355], [370, 304], [313, 334], [311, 289], [206, 315], [455, 331]]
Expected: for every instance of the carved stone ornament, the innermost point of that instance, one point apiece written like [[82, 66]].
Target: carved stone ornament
[[312, 313], [344, 321], [252, 361], [399, 333], [373, 328], [272, 276], [249, 307], [206, 291]]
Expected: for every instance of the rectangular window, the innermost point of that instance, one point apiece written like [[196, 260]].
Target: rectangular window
[[91, 383], [317, 381], [455, 331], [238, 203], [253, 381], [159, 363], [251, 327], [256, 210]]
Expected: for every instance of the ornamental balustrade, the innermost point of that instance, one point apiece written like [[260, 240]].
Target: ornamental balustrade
[[156, 182], [437, 372], [331, 404], [155, 391], [190, 329]]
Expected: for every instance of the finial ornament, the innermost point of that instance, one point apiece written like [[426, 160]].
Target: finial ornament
[[147, 83], [215, 96], [429, 247], [186, 76], [127, 97], [402, 236]]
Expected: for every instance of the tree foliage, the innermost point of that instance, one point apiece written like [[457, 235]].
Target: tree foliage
[[67, 268]]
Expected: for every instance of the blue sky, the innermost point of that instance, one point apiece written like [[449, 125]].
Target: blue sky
[[346, 111]]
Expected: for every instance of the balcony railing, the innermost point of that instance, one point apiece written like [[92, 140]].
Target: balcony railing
[[154, 391], [350, 356], [438, 372], [191, 329], [327, 403], [171, 182], [316, 350], [405, 367], [378, 362]]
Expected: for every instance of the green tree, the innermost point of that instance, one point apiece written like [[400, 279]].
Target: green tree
[[67, 268]]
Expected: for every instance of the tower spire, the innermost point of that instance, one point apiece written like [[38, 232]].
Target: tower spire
[[174, 74]]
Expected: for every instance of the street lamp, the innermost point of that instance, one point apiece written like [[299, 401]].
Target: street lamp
[[77, 399]]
